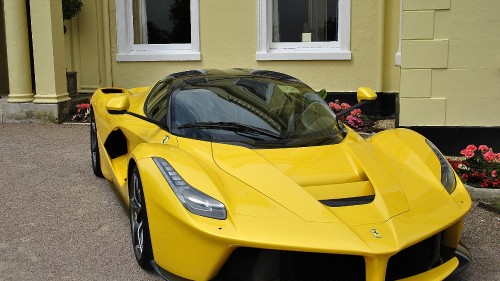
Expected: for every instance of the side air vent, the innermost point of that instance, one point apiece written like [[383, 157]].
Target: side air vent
[[116, 144]]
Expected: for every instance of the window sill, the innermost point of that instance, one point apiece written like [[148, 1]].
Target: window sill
[[159, 55], [302, 54]]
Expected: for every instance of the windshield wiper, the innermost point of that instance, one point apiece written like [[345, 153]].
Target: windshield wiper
[[230, 126]]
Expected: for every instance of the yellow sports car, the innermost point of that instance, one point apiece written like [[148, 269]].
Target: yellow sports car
[[248, 175]]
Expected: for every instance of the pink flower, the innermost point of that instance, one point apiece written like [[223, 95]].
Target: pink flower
[[467, 153], [331, 104], [489, 156], [356, 112], [354, 121], [483, 148], [494, 173], [336, 107], [344, 105], [471, 147]]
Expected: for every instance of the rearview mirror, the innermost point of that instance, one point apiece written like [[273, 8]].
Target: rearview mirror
[[366, 94], [118, 105]]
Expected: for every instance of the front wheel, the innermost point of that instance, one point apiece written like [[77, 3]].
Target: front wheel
[[139, 225], [94, 147]]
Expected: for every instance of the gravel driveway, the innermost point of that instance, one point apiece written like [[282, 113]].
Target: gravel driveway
[[62, 223]]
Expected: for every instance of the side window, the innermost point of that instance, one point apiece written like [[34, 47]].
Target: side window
[[156, 105]]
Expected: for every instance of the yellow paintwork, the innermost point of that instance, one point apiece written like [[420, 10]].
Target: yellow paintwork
[[120, 103], [271, 195], [365, 93]]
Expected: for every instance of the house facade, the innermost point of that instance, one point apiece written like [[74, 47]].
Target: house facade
[[437, 58]]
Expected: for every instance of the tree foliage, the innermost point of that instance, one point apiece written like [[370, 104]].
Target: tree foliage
[[71, 8]]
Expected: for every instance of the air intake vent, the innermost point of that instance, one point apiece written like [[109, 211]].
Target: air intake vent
[[348, 201]]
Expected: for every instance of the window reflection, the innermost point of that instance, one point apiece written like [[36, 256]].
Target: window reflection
[[305, 20], [162, 21]]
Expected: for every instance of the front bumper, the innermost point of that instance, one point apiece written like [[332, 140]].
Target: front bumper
[[199, 248], [266, 265]]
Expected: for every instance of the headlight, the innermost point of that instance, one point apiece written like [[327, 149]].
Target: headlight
[[194, 200], [447, 175]]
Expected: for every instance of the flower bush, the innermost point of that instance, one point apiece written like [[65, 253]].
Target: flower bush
[[354, 119], [480, 167], [82, 113]]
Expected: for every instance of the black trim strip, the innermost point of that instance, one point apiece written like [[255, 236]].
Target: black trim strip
[[348, 201], [159, 124], [464, 259], [166, 275]]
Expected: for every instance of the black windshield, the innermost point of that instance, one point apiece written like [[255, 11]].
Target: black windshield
[[254, 111]]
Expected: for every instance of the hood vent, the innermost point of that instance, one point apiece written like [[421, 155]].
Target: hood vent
[[342, 202]]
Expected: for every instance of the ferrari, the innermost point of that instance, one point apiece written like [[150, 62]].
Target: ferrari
[[246, 174]]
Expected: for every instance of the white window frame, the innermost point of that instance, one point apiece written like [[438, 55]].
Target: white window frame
[[269, 50], [397, 56], [128, 51]]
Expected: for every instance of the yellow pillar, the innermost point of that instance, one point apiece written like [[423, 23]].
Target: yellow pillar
[[18, 51], [48, 51]]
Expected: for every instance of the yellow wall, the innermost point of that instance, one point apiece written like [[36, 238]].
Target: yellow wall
[[228, 38], [450, 63], [85, 45], [4, 76]]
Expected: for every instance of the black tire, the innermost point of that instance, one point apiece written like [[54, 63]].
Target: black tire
[[139, 225], [94, 147]]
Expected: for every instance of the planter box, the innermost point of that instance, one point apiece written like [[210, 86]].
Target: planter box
[[485, 194]]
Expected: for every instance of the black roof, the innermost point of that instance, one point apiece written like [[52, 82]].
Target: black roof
[[233, 72]]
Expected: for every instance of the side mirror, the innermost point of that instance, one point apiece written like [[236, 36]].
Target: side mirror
[[118, 105], [366, 94]]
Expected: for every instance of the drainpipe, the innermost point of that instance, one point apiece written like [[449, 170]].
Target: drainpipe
[[380, 45]]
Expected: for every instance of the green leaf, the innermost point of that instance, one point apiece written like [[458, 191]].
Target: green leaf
[[322, 93]]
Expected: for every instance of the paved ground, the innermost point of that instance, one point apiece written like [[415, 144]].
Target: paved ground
[[61, 223]]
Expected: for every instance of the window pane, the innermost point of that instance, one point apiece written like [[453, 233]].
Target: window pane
[[156, 105], [162, 21], [305, 20]]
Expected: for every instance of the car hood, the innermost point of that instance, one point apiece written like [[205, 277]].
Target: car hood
[[304, 179]]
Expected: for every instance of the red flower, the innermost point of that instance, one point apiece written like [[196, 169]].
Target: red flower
[[494, 173], [489, 156], [485, 183], [471, 147], [467, 153], [454, 165], [496, 183], [483, 148]]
